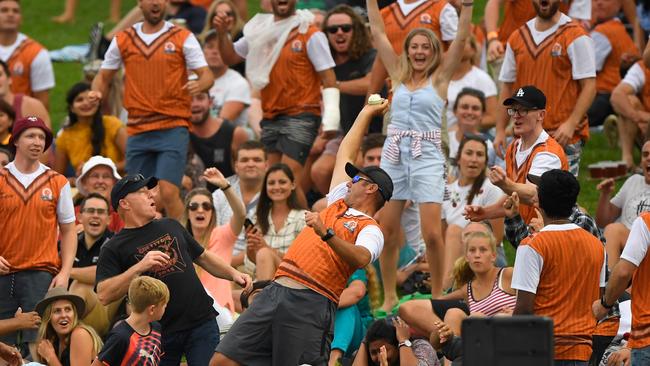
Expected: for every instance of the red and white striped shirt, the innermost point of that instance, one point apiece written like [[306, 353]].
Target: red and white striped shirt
[[494, 303]]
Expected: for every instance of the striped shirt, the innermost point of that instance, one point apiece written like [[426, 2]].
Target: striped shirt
[[495, 302]]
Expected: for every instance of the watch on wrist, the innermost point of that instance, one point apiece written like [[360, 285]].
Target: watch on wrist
[[406, 343], [329, 234], [604, 304]]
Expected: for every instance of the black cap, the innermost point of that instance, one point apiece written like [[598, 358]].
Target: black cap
[[377, 175], [529, 97], [535, 179], [130, 184]]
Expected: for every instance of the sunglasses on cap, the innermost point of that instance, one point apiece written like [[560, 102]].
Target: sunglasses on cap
[[358, 178], [332, 29], [193, 206]]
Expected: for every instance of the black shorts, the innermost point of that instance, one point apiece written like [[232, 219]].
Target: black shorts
[[599, 110], [291, 135], [283, 326], [440, 307]]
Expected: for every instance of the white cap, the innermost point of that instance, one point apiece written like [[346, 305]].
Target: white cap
[[92, 163]]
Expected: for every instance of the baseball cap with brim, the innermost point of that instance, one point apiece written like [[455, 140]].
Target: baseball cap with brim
[[93, 162], [535, 179], [527, 96], [60, 293], [130, 184], [377, 175]]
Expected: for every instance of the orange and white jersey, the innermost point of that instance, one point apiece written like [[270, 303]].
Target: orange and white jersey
[[29, 64]]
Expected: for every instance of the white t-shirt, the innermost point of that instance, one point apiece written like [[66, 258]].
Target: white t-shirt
[[456, 200], [580, 51], [635, 77], [370, 237], [231, 87], [529, 263], [318, 51], [192, 51], [633, 198], [475, 78], [448, 18], [64, 207], [41, 74], [542, 162], [637, 243]]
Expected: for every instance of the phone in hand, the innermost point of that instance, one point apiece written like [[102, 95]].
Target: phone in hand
[[248, 224]]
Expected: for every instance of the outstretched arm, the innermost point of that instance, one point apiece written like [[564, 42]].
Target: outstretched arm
[[384, 48], [457, 47]]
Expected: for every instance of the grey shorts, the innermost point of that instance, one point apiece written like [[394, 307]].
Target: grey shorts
[[291, 135], [283, 327]]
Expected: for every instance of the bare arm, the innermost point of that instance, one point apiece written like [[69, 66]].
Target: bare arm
[[352, 294], [68, 250], [606, 212], [620, 100], [327, 78], [102, 83], [492, 15], [226, 47], [378, 77], [450, 61], [361, 359], [565, 132], [44, 97], [384, 48], [231, 110], [84, 274], [216, 266], [525, 303], [527, 191], [114, 288], [458, 294], [619, 280], [355, 255], [60, 161], [356, 87], [205, 81], [81, 347], [238, 210], [239, 137]]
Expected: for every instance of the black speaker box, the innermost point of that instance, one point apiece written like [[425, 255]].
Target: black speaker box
[[508, 341]]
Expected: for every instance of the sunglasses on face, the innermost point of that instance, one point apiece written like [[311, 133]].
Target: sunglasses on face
[[332, 29], [92, 211], [358, 178], [193, 206]]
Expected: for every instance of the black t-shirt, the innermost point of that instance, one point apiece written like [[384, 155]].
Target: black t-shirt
[[189, 305], [125, 346], [351, 105], [88, 257]]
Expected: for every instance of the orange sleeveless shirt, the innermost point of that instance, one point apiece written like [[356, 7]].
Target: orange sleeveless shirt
[[640, 336]]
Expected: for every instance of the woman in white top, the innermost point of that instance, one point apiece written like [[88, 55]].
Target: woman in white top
[[471, 188], [279, 219]]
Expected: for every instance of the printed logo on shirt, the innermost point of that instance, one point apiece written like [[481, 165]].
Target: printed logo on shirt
[[296, 46], [170, 48], [556, 50], [46, 194], [18, 69], [425, 19], [168, 245], [350, 225]]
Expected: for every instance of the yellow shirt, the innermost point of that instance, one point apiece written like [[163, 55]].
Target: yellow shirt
[[74, 141]]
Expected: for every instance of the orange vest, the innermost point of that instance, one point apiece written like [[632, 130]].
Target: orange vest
[[516, 13], [518, 174], [20, 66], [398, 26], [154, 79], [557, 80], [313, 263], [568, 285], [610, 75], [294, 84], [640, 336], [29, 221]]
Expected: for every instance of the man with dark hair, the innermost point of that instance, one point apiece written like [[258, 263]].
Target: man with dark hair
[[371, 149], [290, 322], [558, 272]]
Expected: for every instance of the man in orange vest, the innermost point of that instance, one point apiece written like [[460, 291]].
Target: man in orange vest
[[291, 321]]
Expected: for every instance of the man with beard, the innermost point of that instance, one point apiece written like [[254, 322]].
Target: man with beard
[[557, 56], [157, 95], [288, 59], [214, 139]]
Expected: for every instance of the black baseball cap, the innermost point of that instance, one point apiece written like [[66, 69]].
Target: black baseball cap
[[130, 184], [377, 175], [529, 97]]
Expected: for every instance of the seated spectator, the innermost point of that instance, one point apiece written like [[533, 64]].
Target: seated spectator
[[62, 338], [279, 218], [469, 76], [230, 93], [5, 156], [200, 221], [471, 188], [98, 175], [137, 340], [353, 314], [384, 342], [7, 118], [87, 132], [617, 214], [94, 218]]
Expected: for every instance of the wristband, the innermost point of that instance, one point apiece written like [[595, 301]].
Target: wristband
[[225, 188], [492, 35], [469, 3]]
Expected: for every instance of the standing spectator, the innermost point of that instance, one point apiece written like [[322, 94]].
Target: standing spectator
[[413, 154], [279, 219], [247, 183], [29, 62], [70, 8], [36, 209], [163, 249], [230, 92], [615, 51], [288, 59], [99, 175], [633, 266], [558, 272], [88, 133], [23, 105], [157, 95], [617, 214], [551, 41], [214, 139], [353, 54], [291, 321]]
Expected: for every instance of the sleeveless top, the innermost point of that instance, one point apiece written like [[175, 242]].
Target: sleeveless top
[[494, 302], [18, 105], [417, 110], [215, 151]]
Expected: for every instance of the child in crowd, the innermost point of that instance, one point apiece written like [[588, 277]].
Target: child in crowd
[[137, 340]]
